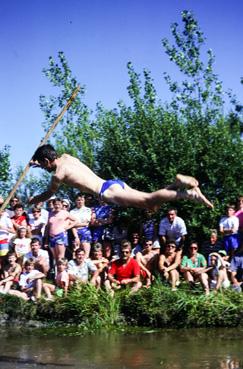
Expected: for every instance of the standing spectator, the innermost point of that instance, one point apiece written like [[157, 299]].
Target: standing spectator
[[194, 267], [125, 271], [37, 223], [239, 214], [229, 226], [40, 256], [81, 231], [82, 270], [236, 269], [43, 212], [212, 245], [102, 218], [20, 218], [66, 204], [10, 210], [169, 263], [149, 227], [6, 229], [59, 222], [172, 227]]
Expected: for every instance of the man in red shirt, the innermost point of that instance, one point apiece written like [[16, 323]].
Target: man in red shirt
[[125, 271]]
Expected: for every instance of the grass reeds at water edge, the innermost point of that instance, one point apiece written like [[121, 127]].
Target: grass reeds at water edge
[[157, 307]]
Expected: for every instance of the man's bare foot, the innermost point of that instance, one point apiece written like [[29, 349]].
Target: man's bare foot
[[196, 194], [186, 181]]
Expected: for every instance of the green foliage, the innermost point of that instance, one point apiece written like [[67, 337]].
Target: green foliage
[[157, 307], [148, 142], [5, 172]]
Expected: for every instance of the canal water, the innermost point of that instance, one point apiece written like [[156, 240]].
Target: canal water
[[167, 349]]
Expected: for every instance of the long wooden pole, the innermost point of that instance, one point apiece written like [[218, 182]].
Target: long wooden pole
[[49, 132]]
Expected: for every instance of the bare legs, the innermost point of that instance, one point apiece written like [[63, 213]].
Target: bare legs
[[131, 197]]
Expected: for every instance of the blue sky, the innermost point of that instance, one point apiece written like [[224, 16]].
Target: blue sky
[[98, 39]]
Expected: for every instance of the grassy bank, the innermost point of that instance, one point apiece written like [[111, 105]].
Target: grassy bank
[[157, 307]]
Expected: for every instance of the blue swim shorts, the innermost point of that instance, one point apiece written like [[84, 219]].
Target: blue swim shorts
[[84, 234], [109, 183], [58, 239]]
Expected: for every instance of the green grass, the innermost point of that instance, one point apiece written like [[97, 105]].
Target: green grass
[[156, 307]]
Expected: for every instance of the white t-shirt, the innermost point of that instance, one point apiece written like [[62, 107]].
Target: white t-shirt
[[21, 246], [5, 221], [228, 223], [174, 230], [81, 271], [83, 214]]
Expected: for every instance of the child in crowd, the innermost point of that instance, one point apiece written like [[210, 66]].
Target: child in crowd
[[61, 281], [10, 274], [30, 282], [21, 244]]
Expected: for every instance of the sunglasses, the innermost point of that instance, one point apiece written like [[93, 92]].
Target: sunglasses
[[125, 252], [193, 248]]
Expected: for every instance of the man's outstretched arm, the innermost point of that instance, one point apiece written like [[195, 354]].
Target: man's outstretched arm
[[54, 185]]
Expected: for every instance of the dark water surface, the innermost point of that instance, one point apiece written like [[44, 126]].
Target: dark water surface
[[170, 349]]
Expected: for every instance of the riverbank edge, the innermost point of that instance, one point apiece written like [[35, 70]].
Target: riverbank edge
[[158, 307]]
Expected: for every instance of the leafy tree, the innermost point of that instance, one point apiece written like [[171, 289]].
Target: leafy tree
[[147, 143], [5, 171]]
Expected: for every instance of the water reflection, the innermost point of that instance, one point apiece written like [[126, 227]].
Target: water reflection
[[169, 349]]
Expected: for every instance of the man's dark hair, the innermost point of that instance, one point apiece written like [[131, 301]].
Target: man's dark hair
[[18, 206], [45, 152], [34, 240]]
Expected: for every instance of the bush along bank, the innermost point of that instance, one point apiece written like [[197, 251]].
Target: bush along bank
[[157, 307]]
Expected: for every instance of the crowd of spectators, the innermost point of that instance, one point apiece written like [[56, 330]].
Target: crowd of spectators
[[47, 249]]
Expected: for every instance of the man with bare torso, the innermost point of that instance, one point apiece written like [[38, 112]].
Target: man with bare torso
[[71, 171]]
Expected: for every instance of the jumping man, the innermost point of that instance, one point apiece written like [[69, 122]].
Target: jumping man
[[72, 172]]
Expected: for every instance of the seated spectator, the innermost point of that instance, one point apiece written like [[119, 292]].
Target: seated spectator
[[156, 246], [169, 263], [37, 223], [20, 218], [172, 227], [212, 245], [218, 275], [125, 271], [81, 269], [194, 267], [81, 231], [136, 243], [147, 260], [40, 256], [107, 250], [30, 282], [236, 270], [10, 274], [229, 226], [6, 231], [21, 244], [101, 264], [60, 288]]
